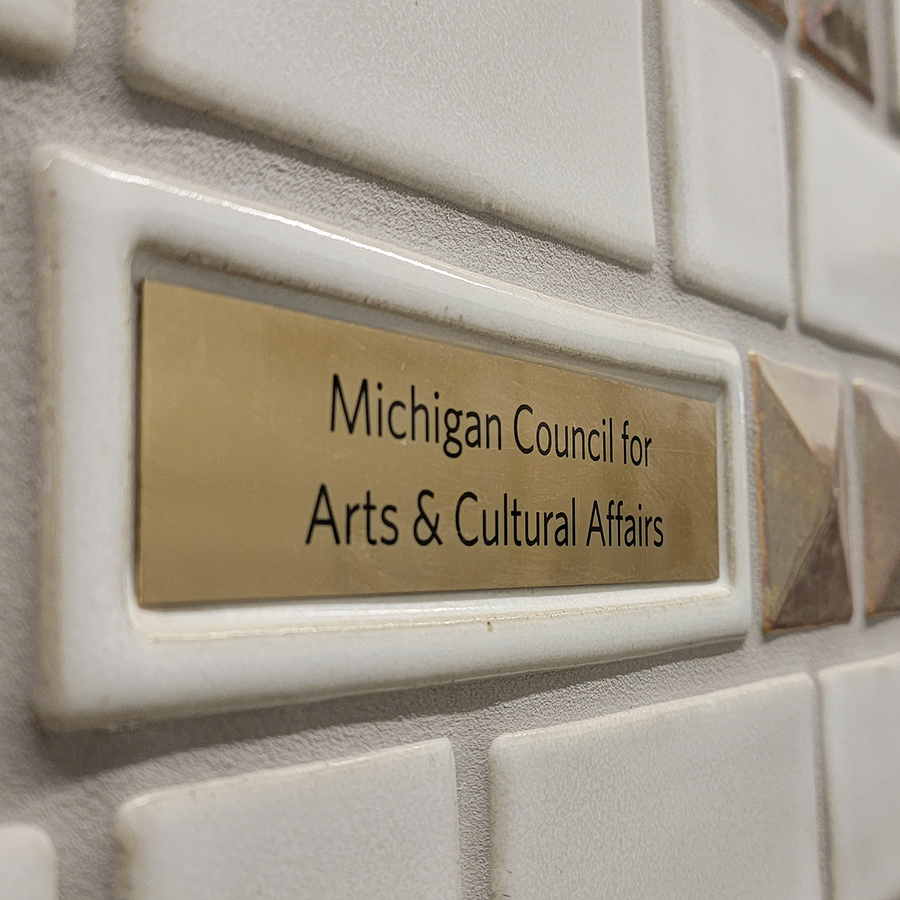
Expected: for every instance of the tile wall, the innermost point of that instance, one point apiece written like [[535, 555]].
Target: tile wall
[[727, 168]]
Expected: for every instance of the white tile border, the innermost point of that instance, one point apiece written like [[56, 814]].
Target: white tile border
[[105, 661]]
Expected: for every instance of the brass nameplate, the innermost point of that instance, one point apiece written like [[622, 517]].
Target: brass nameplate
[[286, 455]]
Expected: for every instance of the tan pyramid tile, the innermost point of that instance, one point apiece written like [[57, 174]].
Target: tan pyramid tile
[[878, 436], [800, 479], [836, 34]]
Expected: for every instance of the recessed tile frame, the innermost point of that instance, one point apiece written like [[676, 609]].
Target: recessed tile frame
[[712, 796], [27, 863], [727, 161], [802, 487], [381, 827], [93, 217], [878, 453], [848, 219], [861, 742], [41, 31], [536, 117], [836, 34]]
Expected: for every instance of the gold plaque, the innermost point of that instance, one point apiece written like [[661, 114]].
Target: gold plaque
[[289, 455]]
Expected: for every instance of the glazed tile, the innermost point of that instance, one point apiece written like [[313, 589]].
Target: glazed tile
[[537, 118], [878, 452], [728, 162], [848, 219], [42, 31], [801, 477], [27, 864], [378, 827], [835, 33], [861, 731], [713, 796]]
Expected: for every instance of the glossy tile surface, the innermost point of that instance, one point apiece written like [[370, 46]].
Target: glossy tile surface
[[42, 31], [861, 730], [536, 115], [728, 162], [878, 452], [801, 476], [848, 219], [27, 864], [835, 33], [712, 796], [378, 827]]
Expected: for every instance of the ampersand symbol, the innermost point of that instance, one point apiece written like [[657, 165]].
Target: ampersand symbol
[[424, 520]]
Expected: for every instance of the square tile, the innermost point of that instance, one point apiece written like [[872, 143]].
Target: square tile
[[878, 454], [42, 31], [835, 33], [861, 730], [848, 219], [379, 827], [533, 114], [27, 864], [728, 163], [801, 482], [713, 796]]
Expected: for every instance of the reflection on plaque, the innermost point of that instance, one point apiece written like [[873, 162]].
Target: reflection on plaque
[[834, 33], [801, 478], [289, 455], [878, 436]]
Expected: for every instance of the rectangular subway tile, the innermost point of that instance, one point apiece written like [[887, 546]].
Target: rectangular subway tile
[[728, 163], [27, 864], [862, 749], [712, 796], [848, 219], [529, 111], [379, 827]]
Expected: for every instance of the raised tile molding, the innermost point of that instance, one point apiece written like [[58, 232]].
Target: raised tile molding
[[728, 161], [773, 10], [510, 108], [834, 32], [711, 796], [801, 485], [381, 827], [861, 749], [93, 217], [41, 31], [27, 864], [878, 442]]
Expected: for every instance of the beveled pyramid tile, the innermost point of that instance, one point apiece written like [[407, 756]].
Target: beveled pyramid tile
[[835, 33], [878, 441], [800, 479], [774, 11]]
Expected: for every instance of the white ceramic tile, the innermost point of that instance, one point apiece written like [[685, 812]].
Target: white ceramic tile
[[40, 30], [532, 112], [861, 726], [379, 827], [712, 796], [27, 864], [728, 161], [92, 217], [848, 219]]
